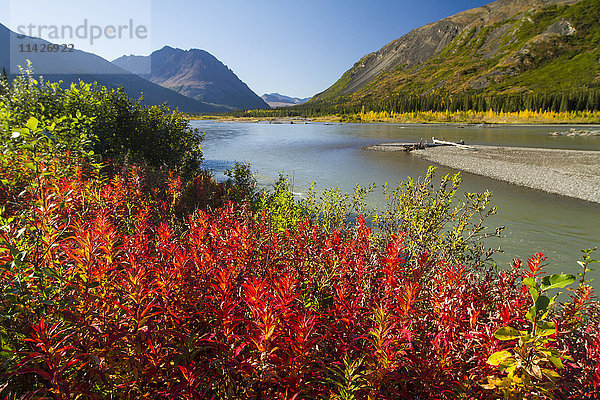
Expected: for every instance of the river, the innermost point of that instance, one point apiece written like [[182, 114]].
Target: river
[[331, 155]]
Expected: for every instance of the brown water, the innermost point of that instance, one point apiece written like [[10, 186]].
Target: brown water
[[332, 156]]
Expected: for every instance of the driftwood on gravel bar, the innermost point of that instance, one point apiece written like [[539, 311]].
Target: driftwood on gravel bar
[[418, 145], [460, 145]]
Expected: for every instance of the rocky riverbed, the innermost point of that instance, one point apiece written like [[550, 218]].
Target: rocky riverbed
[[570, 173], [577, 132]]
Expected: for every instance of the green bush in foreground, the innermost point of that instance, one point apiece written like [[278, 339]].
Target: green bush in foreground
[[104, 121]]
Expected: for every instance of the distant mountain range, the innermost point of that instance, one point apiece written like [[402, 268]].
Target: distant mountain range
[[73, 66], [279, 100], [505, 47], [194, 73]]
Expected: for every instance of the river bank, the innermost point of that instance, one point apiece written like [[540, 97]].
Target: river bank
[[571, 173], [425, 117]]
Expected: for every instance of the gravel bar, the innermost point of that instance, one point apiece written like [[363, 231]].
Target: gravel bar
[[572, 173]]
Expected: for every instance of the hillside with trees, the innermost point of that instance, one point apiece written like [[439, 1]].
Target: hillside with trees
[[510, 55]]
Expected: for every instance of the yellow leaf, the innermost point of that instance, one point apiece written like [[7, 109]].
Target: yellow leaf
[[498, 357], [32, 123]]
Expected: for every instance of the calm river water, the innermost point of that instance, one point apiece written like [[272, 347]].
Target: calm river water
[[331, 156]]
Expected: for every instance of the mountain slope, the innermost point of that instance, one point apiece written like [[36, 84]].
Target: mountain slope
[[280, 100], [508, 46], [193, 73], [71, 67]]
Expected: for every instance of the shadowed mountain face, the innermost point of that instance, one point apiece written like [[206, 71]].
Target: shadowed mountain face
[[280, 100], [196, 74], [70, 67], [508, 46]]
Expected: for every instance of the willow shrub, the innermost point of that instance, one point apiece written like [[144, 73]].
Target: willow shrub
[[433, 219], [104, 121]]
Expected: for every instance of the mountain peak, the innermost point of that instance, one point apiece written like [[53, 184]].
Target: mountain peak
[[71, 67], [167, 48], [279, 100], [194, 73], [504, 46]]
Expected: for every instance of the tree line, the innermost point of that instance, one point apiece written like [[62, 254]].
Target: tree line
[[577, 100]]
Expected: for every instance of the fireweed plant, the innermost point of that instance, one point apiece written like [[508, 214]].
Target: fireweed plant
[[122, 281]]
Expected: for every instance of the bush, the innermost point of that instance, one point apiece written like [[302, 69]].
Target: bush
[[121, 281], [105, 121], [111, 289]]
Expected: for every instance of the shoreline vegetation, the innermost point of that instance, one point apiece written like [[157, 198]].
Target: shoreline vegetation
[[419, 117], [127, 271]]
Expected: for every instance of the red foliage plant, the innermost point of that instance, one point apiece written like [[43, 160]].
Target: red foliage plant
[[111, 290]]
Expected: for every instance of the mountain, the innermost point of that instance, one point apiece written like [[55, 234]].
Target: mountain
[[505, 47], [196, 74], [279, 100], [73, 66]]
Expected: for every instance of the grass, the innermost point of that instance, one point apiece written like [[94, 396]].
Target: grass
[[563, 73]]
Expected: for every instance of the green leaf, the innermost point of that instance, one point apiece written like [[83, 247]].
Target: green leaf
[[499, 357], [557, 281], [545, 328], [507, 333], [534, 293], [531, 314], [542, 303], [49, 272], [552, 375], [556, 361], [529, 282], [32, 123], [30, 165]]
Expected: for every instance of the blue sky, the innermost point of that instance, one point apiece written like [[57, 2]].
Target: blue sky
[[297, 48]]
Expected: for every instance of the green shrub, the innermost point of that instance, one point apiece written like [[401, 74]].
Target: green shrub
[[241, 185], [433, 219], [105, 121], [280, 207]]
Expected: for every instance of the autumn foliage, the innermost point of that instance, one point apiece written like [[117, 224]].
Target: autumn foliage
[[121, 282], [112, 288]]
